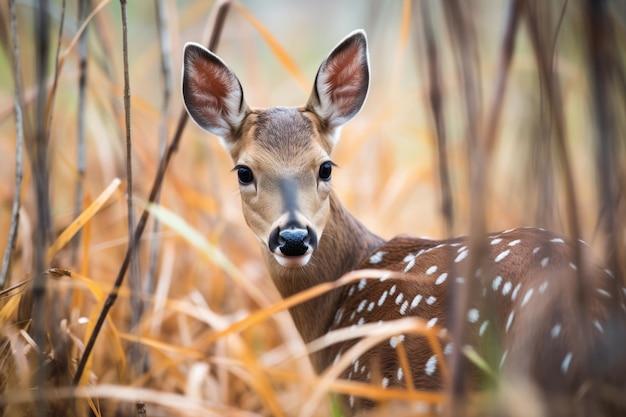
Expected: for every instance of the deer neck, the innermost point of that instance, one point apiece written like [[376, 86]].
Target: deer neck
[[344, 245]]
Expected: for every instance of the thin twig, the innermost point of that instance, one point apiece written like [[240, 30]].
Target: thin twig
[[506, 54], [38, 148], [604, 70], [555, 104], [136, 303], [80, 136], [156, 187], [436, 104], [462, 31], [19, 141], [57, 70], [166, 54]]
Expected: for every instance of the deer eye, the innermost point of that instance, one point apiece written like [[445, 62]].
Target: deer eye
[[244, 174], [326, 170]]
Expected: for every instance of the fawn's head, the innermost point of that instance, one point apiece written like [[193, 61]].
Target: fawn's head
[[281, 155]]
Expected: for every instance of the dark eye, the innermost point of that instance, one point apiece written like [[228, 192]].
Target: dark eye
[[326, 169], [245, 175]]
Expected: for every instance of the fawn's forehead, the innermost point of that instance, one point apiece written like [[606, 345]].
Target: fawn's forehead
[[286, 135]]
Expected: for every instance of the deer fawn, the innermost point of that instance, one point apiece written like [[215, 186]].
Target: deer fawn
[[528, 304]]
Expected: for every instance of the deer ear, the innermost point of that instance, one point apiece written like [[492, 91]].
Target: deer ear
[[342, 82], [212, 93]]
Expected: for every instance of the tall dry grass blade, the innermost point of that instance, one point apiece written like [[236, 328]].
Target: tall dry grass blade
[[156, 187], [19, 143], [81, 150], [216, 256], [283, 57], [74, 228], [436, 99]]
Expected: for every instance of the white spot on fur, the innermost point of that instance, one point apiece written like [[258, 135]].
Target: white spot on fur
[[496, 283], [514, 242], [557, 240], [410, 265], [370, 307], [506, 288], [515, 291], [543, 286], [506, 352], [598, 326], [496, 241], [566, 361], [431, 365], [385, 382], [536, 250], [399, 298], [527, 296], [461, 256], [382, 298], [556, 330], [609, 273], [377, 257], [400, 374], [502, 255], [431, 270], [573, 266], [441, 278], [430, 300], [605, 293], [361, 306], [403, 307], [473, 315], [509, 321], [416, 300], [362, 284], [545, 261], [431, 323], [483, 327], [338, 315], [392, 289]]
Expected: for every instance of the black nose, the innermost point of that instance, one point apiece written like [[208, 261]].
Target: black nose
[[293, 241]]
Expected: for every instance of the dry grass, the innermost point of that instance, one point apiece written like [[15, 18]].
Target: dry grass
[[215, 335]]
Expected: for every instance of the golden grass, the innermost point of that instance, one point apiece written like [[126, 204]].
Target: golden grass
[[215, 334]]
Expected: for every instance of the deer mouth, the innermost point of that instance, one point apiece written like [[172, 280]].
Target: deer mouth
[[293, 261]]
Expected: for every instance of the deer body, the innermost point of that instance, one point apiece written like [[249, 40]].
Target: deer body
[[523, 301]]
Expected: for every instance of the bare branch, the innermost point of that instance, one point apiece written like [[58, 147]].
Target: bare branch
[[19, 143]]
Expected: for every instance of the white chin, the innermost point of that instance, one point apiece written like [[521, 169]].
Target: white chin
[[293, 261]]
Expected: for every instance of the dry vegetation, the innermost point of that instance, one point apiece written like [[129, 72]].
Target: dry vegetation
[[209, 335]]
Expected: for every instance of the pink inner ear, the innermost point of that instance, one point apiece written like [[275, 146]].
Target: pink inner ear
[[345, 78], [209, 89]]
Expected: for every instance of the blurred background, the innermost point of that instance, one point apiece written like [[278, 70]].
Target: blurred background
[[505, 94]]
